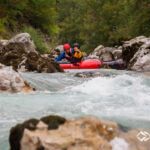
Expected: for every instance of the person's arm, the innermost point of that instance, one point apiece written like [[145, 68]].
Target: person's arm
[[62, 55], [73, 51]]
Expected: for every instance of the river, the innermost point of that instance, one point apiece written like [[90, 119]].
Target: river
[[120, 96]]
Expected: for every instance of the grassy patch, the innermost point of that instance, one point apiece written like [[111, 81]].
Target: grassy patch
[[38, 39]]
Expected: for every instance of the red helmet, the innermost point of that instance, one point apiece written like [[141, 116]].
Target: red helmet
[[66, 46]]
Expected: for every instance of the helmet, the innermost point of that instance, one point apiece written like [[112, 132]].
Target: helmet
[[66, 46], [76, 45]]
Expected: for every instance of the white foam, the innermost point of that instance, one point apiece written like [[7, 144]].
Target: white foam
[[125, 85], [119, 144]]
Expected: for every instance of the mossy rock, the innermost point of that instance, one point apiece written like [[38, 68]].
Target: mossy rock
[[16, 132], [53, 122]]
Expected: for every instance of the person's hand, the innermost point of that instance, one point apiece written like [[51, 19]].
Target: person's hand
[[67, 56], [76, 49]]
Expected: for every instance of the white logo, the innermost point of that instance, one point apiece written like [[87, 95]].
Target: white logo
[[143, 136]]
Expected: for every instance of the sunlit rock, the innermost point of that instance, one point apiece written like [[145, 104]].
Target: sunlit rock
[[12, 81], [86, 133], [136, 54]]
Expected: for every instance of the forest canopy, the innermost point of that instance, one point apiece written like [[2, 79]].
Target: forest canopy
[[88, 22]]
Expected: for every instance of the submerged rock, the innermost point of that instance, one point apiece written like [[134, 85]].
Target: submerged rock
[[89, 74], [20, 52], [136, 54], [84, 133], [12, 81]]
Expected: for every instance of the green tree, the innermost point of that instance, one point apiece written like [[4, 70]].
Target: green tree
[[94, 22]]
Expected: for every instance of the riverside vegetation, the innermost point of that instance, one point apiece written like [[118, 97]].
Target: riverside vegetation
[[89, 22]]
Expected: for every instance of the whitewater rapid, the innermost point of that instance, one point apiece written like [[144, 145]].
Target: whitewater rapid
[[120, 96]]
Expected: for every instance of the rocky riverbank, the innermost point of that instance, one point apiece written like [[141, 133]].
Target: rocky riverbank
[[134, 53], [86, 133], [20, 52]]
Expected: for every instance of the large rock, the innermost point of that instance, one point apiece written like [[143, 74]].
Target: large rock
[[20, 52], [56, 52], [3, 42], [136, 54], [86, 133], [11, 81], [106, 53], [117, 53]]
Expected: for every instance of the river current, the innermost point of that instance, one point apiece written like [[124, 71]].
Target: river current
[[120, 96]]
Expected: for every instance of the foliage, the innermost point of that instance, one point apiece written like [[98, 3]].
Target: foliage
[[37, 13], [38, 39], [88, 22], [95, 22]]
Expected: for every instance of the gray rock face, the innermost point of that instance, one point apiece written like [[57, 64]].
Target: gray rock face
[[84, 54], [20, 52], [136, 54], [20, 42], [11, 81], [106, 53], [117, 53], [57, 51]]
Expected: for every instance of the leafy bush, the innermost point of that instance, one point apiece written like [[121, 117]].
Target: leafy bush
[[39, 14], [38, 39]]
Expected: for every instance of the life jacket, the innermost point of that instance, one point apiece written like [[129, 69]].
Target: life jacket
[[77, 57]]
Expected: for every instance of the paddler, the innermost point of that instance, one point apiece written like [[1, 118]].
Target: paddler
[[77, 56], [71, 54]]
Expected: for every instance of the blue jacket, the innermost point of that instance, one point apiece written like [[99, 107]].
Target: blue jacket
[[63, 55]]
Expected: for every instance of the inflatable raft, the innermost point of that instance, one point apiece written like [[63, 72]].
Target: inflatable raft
[[92, 64]]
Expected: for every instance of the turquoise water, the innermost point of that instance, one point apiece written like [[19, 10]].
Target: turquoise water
[[120, 96]]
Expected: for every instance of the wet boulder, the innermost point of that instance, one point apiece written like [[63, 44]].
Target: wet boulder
[[11, 81], [136, 54], [85, 133], [20, 53], [89, 74]]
